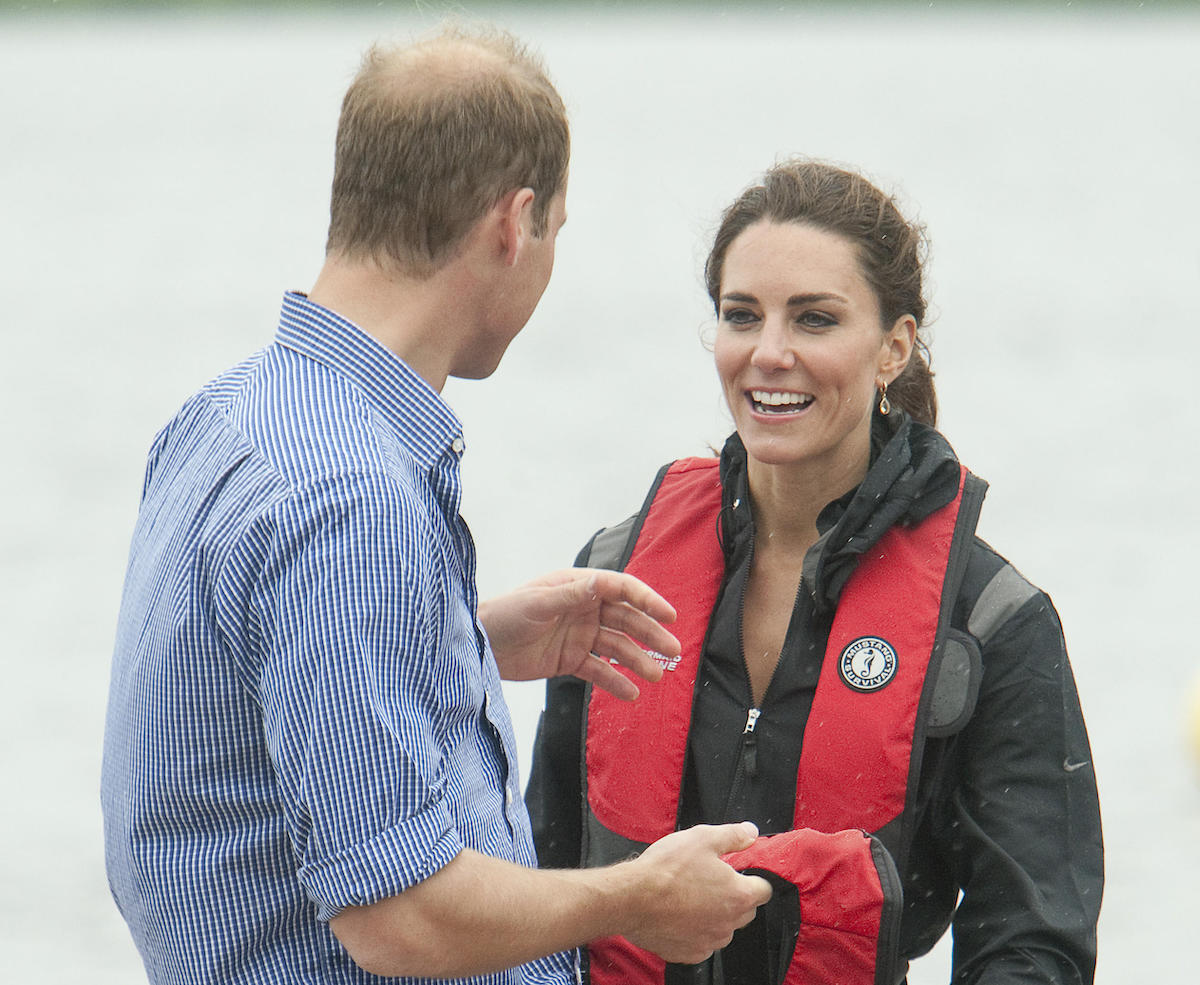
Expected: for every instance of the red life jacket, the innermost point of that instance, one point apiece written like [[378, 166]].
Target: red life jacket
[[861, 746]]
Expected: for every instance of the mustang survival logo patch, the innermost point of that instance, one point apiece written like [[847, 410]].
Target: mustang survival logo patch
[[867, 664]]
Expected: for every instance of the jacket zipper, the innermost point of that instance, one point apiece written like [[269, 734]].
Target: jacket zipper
[[750, 744], [746, 769], [747, 760], [747, 763]]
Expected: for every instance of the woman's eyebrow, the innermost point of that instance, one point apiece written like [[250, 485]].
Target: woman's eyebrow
[[795, 299], [815, 297]]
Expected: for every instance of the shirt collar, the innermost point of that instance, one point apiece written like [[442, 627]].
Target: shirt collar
[[423, 422]]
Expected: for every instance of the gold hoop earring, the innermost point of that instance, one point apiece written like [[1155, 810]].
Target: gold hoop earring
[[884, 404]]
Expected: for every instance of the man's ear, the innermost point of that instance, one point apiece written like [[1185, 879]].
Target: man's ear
[[516, 220]]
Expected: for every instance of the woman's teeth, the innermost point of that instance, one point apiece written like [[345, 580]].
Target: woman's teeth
[[775, 402]]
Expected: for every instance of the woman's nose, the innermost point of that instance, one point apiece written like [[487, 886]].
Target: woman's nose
[[774, 349]]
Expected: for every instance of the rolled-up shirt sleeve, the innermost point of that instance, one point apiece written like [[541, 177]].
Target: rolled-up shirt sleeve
[[361, 699]]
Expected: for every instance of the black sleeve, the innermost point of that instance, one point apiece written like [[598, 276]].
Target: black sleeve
[[554, 793], [1023, 822]]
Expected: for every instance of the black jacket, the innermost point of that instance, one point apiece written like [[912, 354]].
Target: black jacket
[[1007, 812]]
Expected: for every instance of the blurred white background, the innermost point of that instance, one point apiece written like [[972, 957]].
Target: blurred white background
[[163, 178]]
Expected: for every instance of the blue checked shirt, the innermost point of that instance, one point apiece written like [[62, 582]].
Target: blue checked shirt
[[304, 713]]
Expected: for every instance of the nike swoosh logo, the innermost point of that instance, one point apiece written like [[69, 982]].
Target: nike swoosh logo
[[1072, 767]]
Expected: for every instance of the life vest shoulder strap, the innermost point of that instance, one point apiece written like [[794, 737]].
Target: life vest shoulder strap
[[866, 728], [673, 547]]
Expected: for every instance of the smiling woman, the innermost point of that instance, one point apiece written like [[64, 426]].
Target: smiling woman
[[854, 659], [886, 251], [800, 349]]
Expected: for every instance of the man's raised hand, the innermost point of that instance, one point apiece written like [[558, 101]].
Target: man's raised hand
[[580, 621]]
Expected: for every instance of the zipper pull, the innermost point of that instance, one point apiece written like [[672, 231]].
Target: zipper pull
[[750, 744]]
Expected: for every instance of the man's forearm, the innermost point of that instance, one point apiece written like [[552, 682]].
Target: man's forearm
[[477, 915], [480, 914]]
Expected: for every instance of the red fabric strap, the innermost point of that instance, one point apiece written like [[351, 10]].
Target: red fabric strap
[[842, 902], [635, 749], [854, 763]]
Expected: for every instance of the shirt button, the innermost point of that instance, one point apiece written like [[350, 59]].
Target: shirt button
[[458, 445], [508, 796]]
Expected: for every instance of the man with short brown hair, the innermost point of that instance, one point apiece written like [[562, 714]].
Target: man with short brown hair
[[479, 118], [309, 768]]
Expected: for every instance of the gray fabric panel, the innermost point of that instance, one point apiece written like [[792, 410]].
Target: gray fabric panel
[[952, 687], [956, 687], [605, 847], [608, 547], [998, 602]]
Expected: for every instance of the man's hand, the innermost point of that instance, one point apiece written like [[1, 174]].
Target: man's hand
[[479, 914], [698, 900], [575, 622]]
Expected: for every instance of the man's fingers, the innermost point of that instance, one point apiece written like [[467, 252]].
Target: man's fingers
[[603, 675], [705, 900], [761, 890], [616, 586], [636, 624], [726, 838], [619, 647]]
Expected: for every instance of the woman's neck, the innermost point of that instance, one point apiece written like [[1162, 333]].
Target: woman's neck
[[788, 499]]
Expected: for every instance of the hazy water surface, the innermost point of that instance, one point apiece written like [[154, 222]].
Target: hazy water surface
[[163, 180]]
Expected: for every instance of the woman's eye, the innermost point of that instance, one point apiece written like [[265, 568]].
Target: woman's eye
[[816, 319], [738, 316]]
